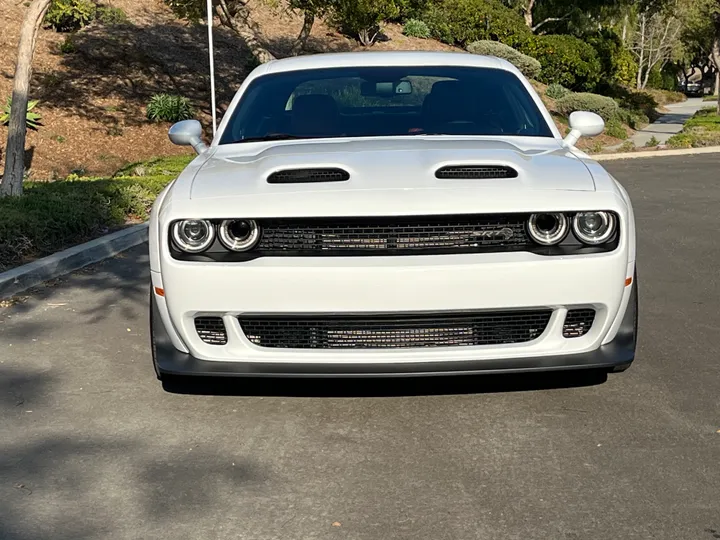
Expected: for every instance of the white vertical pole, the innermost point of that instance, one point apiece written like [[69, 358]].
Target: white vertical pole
[[212, 63]]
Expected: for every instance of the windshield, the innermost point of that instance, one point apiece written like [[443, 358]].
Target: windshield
[[386, 101]]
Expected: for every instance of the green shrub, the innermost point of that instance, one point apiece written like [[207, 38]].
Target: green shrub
[[68, 45], [704, 118], [618, 63], [565, 60], [527, 65], [653, 142], [602, 105], [362, 19], [32, 119], [69, 15], [169, 108], [557, 91], [634, 119], [459, 22], [416, 28], [680, 140], [109, 15], [661, 80], [627, 146], [614, 128], [51, 216]]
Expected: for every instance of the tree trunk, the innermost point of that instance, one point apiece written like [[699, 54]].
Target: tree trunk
[[12, 181], [301, 40], [642, 52], [235, 14], [715, 55], [527, 13], [624, 30]]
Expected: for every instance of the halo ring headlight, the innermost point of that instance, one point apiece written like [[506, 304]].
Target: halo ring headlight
[[239, 234], [193, 235], [594, 227], [549, 228]]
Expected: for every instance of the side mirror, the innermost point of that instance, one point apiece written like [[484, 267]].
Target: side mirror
[[188, 133], [584, 124]]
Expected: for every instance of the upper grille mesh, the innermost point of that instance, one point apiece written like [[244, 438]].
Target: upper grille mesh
[[300, 176], [578, 322], [457, 234], [476, 172], [395, 331], [211, 330]]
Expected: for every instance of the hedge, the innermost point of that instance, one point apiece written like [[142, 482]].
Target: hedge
[[526, 64], [602, 105], [565, 60], [460, 22]]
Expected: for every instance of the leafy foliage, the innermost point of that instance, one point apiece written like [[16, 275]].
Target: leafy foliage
[[565, 60], [602, 105], [618, 63], [614, 128], [661, 80], [169, 108], [526, 64], [32, 119], [416, 28], [109, 15], [69, 15], [557, 91], [460, 22], [68, 45], [652, 142], [362, 19]]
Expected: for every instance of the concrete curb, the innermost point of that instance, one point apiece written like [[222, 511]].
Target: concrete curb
[[657, 153], [29, 275]]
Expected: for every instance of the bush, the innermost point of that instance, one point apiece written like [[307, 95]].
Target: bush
[[32, 119], [618, 64], [557, 91], [416, 28], [51, 216], [652, 142], [109, 15], [527, 65], [680, 140], [68, 46], [614, 128], [361, 19], [627, 146], [459, 22], [602, 105], [661, 80], [565, 60], [169, 108], [69, 15], [634, 119]]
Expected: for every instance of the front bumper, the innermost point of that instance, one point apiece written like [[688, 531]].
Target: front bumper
[[615, 355]]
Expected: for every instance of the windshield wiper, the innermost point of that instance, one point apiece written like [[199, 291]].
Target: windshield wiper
[[274, 137]]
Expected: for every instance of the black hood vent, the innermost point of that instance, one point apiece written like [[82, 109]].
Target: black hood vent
[[475, 172], [305, 176]]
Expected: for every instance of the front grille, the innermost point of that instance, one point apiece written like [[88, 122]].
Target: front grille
[[211, 330], [394, 331], [393, 236], [302, 176], [475, 172], [578, 322]]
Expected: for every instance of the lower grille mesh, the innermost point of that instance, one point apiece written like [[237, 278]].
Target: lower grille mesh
[[578, 322], [211, 330], [395, 331]]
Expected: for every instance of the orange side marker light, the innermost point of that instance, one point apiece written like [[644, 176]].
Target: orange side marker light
[[159, 291], [628, 282]]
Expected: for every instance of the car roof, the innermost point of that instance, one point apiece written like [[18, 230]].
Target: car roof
[[385, 58]]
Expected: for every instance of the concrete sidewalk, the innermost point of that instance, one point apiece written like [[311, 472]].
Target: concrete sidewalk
[[670, 123]]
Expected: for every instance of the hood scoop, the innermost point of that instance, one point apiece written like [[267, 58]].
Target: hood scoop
[[307, 176], [475, 172]]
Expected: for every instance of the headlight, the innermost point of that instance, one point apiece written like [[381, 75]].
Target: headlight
[[193, 235], [594, 227], [548, 229], [239, 234]]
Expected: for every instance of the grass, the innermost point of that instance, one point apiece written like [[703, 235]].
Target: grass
[[710, 98], [703, 129], [51, 216]]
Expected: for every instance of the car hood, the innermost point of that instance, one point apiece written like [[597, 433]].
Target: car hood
[[387, 165]]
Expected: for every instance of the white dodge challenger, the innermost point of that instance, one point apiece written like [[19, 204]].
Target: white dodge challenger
[[372, 214]]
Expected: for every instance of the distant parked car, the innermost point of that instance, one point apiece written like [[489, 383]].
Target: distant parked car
[[694, 89], [368, 214]]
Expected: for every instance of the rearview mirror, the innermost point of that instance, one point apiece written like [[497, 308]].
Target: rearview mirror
[[583, 124], [188, 133], [385, 89]]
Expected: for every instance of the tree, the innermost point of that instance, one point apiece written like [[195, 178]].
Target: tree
[[538, 14], [702, 38], [233, 14], [310, 9], [362, 18], [12, 180], [656, 41]]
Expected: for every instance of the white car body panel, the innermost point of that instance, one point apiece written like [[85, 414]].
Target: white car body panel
[[390, 176]]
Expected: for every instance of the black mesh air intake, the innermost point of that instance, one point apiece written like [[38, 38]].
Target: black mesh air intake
[[476, 172], [578, 322], [211, 330], [304, 176]]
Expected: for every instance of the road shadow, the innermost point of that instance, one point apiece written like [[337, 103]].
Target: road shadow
[[382, 387]]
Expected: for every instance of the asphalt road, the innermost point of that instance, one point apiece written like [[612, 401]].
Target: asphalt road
[[91, 447]]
